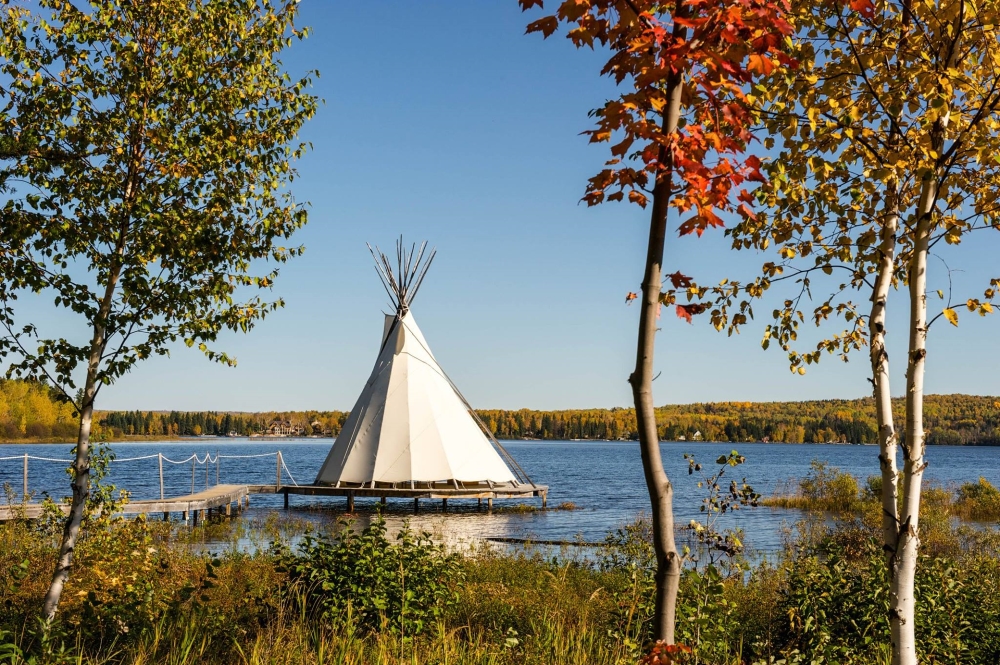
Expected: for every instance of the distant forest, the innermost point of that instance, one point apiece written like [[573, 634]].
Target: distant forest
[[948, 420], [31, 411], [215, 423]]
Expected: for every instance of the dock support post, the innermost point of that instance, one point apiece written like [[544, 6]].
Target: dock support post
[[479, 506], [229, 508], [160, 460], [416, 505], [545, 499], [489, 505], [382, 500], [444, 505], [24, 497], [194, 517], [350, 502], [286, 500], [184, 516], [166, 516]]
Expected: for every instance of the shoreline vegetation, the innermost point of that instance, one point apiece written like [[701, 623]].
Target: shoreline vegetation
[[147, 591], [31, 413], [828, 489]]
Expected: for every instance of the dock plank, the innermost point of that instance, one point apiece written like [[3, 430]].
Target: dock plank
[[214, 497]]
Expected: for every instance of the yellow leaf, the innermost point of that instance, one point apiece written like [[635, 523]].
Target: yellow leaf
[[950, 314]]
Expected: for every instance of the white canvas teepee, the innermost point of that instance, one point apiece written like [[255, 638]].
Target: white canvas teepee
[[411, 427]]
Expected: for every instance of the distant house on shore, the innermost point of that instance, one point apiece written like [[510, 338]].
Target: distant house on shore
[[280, 427]]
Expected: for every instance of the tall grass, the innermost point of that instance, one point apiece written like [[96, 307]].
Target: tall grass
[[141, 594], [829, 489]]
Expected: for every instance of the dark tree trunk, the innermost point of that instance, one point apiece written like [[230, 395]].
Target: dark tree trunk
[[661, 492]]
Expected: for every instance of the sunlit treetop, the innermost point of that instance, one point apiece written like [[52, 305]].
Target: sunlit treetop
[[885, 96]]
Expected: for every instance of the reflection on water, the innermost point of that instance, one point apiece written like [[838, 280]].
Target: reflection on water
[[603, 479]]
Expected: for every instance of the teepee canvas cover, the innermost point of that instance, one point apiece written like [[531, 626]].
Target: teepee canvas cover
[[410, 425]]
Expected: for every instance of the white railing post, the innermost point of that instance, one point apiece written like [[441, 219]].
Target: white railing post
[[24, 498], [216, 467], [278, 484], [194, 458], [160, 460]]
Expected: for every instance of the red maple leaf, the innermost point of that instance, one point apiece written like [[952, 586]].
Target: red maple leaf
[[679, 280], [687, 311], [864, 7]]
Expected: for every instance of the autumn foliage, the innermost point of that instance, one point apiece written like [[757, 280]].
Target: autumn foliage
[[666, 654], [717, 48], [714, 49]]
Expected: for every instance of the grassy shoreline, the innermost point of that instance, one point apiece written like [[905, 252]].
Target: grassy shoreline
[[141, 593], [828, 489]]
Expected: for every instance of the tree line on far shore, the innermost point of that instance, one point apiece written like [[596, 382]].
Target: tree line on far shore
[[951, 420], [32, 411], [220, 423]]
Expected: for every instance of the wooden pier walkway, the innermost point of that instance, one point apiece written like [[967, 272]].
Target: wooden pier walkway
[[223, 498], [220, 497], [435, 491]]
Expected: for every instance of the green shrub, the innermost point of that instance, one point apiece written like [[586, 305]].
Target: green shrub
[[829, 487], [834, 600], [407, 584], [873, 488], [978, 501], [705, 616]]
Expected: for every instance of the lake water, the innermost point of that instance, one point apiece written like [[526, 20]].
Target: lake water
[[603, 479]]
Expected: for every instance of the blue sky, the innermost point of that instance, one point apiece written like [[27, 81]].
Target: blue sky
[[447, 123]]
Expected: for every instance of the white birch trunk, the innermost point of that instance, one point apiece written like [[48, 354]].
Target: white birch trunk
[[887, 439], [903, 573], [81, 464], [80, 486], [902, 602]]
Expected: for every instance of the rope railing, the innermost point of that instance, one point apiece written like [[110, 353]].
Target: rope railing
[[144, 457], [194, 459], [40, 459], [290, 476]]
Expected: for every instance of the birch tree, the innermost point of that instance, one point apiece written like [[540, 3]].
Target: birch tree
[[678, 134], [887, 137], [146, 149]]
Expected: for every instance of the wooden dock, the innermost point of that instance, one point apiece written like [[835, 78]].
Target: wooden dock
[[442, 493], [222, 498], [190, 506]]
